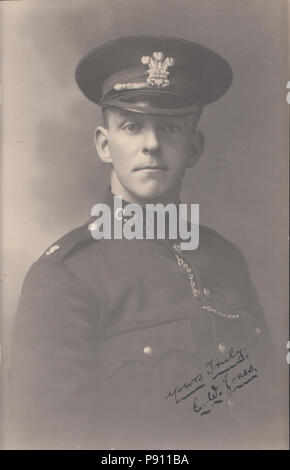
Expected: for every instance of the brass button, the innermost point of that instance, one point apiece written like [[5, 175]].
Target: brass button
[[222, 348], [176, 246], [117, 213], [148, 351], [206, 292], [93, 226]]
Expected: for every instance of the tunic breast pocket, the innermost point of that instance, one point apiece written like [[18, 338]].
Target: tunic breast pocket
[[149, 350], [232, 312], [141, 366]]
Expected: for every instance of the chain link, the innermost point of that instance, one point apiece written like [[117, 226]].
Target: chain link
[[196, 291], [189, 274], [220, 314]]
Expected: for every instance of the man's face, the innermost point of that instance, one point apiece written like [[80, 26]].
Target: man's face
[[149, 154]]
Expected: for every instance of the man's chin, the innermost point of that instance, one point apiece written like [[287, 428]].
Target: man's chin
[[154, 195]]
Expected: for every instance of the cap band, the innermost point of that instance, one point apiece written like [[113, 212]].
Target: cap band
[[127, 106]]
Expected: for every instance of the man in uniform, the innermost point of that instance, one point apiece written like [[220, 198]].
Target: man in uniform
[[137, 343]]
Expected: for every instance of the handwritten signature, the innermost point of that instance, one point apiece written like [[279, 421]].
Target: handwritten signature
[[219, 380]]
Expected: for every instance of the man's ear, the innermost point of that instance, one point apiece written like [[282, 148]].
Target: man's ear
[[102, 144], [197, 148]]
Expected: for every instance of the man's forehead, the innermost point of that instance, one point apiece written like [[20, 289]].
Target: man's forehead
[[118, 115]]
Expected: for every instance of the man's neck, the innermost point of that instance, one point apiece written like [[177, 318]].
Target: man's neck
[[131, 198]]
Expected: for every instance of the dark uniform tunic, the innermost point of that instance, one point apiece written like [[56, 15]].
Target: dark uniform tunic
[[111, 336]]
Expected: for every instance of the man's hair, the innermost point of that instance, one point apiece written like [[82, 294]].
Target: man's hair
[[105, 112]]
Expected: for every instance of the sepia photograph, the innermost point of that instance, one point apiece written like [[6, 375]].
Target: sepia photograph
[[144, 225]]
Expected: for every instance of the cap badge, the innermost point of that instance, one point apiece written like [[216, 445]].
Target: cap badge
[[157, 71]]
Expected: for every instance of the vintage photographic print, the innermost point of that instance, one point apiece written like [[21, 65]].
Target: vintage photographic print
[[144, 224]]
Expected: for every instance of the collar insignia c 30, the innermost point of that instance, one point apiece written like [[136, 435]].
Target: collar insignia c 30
[[157, 71]]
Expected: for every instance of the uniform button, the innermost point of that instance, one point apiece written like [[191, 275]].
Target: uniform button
[[92, 226], [222, 348], [206, 292], [52, 249], [176, 246], [117, 213], [230, 403], [148, 351], [258, 331]]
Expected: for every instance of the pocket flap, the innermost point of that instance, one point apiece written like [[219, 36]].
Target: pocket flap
[[147, 345]]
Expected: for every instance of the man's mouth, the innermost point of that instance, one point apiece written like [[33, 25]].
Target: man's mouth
[[151, 168]]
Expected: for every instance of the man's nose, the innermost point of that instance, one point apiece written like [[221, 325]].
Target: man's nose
[[151, 140]]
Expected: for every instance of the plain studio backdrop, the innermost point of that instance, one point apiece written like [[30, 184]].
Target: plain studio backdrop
[[51, 175]]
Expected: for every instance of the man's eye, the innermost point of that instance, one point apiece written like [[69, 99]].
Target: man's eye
[[171, 128], [130, 126]]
